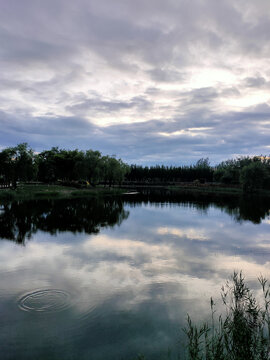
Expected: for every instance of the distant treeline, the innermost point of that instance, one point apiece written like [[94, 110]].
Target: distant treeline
[[21, 163], [250, 172], [201, 171]]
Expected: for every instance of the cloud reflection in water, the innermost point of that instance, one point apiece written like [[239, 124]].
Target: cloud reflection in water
[[130, 286]]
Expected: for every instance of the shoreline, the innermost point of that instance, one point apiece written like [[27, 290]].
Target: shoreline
[[205, 189], [46, 191]]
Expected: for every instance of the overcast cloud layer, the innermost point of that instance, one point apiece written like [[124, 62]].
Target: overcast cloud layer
[[151, 81]]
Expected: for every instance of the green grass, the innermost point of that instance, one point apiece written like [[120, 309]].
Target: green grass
[[97, 192], [7, 194], [54, 191], [57, 191], [46, 194]]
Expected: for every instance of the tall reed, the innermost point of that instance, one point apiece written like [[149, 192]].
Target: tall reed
[[243, 333]]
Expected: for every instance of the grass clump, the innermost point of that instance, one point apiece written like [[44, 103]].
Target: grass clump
[[46, 194], [98, 191], [243, 333], [82, 193], [44, 191], [6, 195]]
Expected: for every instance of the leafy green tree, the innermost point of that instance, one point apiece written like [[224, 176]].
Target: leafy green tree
[[18, 163], [218, 174], [228, 172], [6, 165], [93, 167], [60, 164], [253, 176], [114, 170], [25, 162], [47, 171], [203, 163], [69, 165]]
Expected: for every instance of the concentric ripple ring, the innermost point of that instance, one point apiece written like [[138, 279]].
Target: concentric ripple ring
[[45, 301]]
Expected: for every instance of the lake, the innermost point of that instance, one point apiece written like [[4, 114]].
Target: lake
[[114, 278]]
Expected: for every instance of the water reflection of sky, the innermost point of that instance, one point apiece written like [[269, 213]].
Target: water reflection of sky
[[130, 286]]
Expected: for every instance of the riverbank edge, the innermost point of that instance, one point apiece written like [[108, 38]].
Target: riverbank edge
[[46, 191], [203, 190], [36, 192]]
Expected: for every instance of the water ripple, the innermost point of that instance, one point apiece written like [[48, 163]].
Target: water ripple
[[45, 301]]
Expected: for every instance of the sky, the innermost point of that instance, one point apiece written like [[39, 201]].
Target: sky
[[153, 81]]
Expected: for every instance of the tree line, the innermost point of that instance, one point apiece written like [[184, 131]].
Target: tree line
[[201, 171], [21, 163], [249, 172]]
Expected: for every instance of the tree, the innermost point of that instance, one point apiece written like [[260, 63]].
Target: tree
[[60, 164], [253, 176], [18, 163], [47, 171], [25, 164], [114, 170], [93, 166], [6, 164], [203, 163]]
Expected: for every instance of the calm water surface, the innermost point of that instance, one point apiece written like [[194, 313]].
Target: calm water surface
[[109, 279]]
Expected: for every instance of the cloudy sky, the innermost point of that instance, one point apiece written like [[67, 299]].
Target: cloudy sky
[[151, 81]]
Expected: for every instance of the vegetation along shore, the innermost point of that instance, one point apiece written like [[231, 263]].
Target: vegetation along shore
[[60, 172]]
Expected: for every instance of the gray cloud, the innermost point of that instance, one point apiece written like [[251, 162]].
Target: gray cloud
[[97, 105], [151, 82]]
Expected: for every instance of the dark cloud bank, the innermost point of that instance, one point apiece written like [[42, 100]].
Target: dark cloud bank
[[153, 82]]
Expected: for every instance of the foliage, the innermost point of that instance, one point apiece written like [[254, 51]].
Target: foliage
[[93, 166], [114, 170], [160, 173], [253, 176], [59, 164], [20, 163], [19, 220], [203, 163], [244, 334], [251, 172]]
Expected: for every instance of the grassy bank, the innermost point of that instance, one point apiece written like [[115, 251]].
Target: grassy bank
[[55, 191], [43, 191]]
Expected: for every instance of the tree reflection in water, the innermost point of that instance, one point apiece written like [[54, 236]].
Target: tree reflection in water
[[19, 220], [240, 208]]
